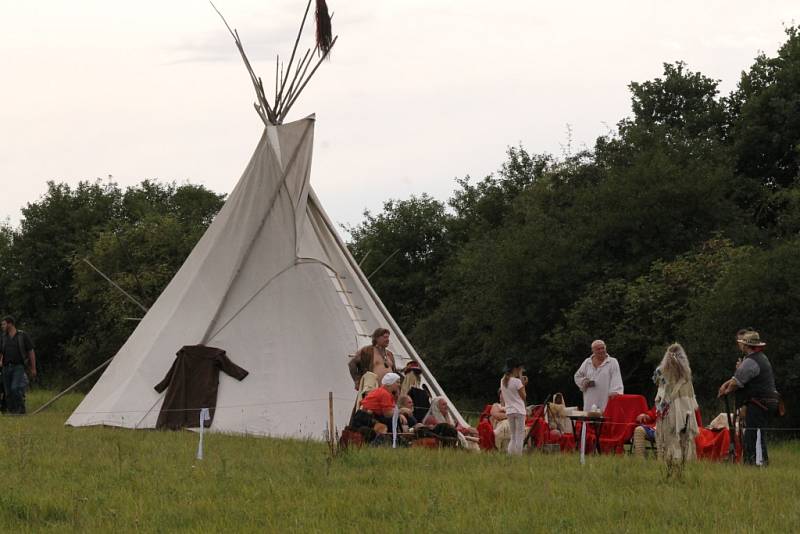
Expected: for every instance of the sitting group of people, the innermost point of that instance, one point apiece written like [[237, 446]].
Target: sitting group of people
[[389, 398]]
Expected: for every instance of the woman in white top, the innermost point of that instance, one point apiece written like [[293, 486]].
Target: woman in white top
[[512, 386]]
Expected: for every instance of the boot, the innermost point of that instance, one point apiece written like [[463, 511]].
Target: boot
[[639, 442]]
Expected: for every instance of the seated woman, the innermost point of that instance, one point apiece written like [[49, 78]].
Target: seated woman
[[413, 388], [407, 419], [439, 415], [646, 431], [499, 420]]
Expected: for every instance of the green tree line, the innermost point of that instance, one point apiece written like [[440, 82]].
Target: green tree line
[[683, 224], [139, 237]]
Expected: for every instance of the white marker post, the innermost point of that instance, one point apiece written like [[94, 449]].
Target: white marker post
[[204, 416], [583, 442], [759, 451], [395, 417]]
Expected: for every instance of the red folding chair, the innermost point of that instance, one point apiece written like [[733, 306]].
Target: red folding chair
[[620, 421]]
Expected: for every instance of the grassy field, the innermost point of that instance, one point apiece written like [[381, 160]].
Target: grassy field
[[102, 480]]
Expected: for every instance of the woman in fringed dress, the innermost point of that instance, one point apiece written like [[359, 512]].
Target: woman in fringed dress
[[676, 425]]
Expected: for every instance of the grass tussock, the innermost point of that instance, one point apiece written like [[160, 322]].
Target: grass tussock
[[104, 479]]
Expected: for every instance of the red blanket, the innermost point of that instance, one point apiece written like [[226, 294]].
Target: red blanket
[[713, 445], [620, 413], [541, 434], [486, 431]]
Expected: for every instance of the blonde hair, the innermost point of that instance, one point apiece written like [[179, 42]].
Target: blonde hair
[[675, 364], [401, 398], [409, 381]]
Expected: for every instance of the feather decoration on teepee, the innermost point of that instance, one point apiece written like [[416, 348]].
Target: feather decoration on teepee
[[324, 32]]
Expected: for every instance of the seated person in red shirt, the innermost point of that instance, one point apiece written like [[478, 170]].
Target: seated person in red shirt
[[379, 403], [646, 431]]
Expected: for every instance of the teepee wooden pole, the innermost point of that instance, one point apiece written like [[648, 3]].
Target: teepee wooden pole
[[331, 435], [110, 281], [291, 88], [277, 98], [392, 324], [279, 92], [259, 87], [73, 386], [384, 262], [289, 104]]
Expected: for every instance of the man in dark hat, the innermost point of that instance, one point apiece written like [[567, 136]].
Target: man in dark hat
[[754, 382], [741, 346]]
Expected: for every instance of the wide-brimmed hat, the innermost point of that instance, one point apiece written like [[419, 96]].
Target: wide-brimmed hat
[[751, 339], [412, 366], [511, 364]]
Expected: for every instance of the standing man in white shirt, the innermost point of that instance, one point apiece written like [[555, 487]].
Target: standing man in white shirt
[[599, 377]]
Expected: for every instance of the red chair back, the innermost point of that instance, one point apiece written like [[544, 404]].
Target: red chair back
[[620, 414]]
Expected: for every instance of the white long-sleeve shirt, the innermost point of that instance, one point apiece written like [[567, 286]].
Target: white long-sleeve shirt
[[607, 380]]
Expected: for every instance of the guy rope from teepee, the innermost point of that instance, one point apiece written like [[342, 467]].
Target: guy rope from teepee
[[286, 96]]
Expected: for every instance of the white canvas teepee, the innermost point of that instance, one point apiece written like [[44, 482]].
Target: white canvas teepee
[[271, 283]]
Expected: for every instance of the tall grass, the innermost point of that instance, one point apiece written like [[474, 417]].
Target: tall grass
[[102, 480]]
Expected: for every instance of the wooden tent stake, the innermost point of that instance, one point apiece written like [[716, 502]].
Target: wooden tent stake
[[331, 432]]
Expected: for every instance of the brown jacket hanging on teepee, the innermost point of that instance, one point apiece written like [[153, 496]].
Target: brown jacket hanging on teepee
[[191, 384]]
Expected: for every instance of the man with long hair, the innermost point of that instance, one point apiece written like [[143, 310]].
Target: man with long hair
[[369, 365]]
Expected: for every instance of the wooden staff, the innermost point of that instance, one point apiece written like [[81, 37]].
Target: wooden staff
[[331, 435]]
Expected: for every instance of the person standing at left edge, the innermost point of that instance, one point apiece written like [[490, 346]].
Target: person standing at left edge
[[17, 358], [755, 379]]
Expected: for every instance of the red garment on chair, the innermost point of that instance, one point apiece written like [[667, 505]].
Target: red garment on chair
[[486, 431], [538, 430], [541, 434], [713, 445], [620, 413]]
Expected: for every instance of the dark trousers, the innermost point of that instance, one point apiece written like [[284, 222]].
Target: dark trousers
[[362, 419], [15, 383], [756, 418]]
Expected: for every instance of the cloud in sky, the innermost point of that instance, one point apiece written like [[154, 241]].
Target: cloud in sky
[[418, 92]]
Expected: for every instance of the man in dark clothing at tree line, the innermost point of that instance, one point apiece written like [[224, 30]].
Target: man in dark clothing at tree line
[[17, 359], [755, 379]]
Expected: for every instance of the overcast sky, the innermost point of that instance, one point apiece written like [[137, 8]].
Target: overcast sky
[[418, 92]]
